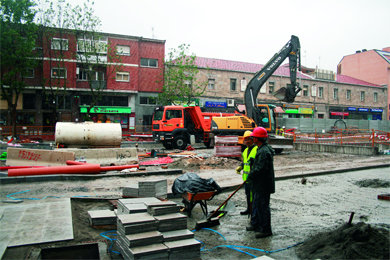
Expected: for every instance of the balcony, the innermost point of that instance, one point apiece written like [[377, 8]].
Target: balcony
[[99, 84]]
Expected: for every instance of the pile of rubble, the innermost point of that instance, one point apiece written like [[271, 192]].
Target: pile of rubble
[[199, 163]]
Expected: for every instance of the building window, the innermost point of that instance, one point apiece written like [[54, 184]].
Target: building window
[[348, 94], [362, 96], [305, 90], [320, 92], [152, 63], [243, 84], [83, 75], [59, 73], [59, 44], [148, 100], [123, 50], [313, 91], [271, 87], [211, 84], [233, 84], [375, 97], [335, 93], [28, 73], [29, 101], [123, 76], [93, 44]]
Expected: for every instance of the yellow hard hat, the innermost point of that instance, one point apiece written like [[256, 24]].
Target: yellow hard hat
[[247, 134]]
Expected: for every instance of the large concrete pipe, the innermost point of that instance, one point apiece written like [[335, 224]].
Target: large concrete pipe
[[88, 134]]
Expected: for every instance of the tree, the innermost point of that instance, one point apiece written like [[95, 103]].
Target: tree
[[18, 41], [180, 78], [93, 54]]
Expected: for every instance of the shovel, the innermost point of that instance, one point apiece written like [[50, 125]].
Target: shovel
[[213, 219]]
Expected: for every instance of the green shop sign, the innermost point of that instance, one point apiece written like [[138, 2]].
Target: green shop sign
[[291, 111], [106, 110]]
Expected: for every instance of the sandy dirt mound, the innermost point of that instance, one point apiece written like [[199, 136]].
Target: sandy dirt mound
[[356, 241], [198, 163]]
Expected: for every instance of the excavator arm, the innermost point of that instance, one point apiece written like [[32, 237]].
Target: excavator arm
[[290, 50]]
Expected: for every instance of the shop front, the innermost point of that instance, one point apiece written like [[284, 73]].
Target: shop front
[[110, 114], [365, 113], [300, 112]]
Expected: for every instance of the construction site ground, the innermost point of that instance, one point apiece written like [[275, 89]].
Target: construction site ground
[[315, 192]]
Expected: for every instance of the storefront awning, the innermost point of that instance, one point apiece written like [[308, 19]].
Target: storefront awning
[[279, 110]]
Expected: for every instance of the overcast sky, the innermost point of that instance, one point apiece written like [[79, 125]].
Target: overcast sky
[[254, 30]]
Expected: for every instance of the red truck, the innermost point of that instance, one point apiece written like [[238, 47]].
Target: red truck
[[178, 126]]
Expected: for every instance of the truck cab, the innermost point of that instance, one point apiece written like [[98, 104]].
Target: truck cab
[[178, 126]]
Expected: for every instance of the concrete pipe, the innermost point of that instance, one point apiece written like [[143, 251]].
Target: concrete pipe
[[88, 134]]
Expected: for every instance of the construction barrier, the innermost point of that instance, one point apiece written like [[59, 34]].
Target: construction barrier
[[360, 137], [37, 157]]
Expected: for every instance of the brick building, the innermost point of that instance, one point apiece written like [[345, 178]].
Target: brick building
[[129, 80], [369, 65], [323, 95]]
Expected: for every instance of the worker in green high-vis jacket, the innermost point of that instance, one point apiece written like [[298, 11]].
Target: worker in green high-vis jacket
[[248, 156]]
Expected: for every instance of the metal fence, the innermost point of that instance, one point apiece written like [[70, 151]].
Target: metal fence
[[309, 125], [360, 137]]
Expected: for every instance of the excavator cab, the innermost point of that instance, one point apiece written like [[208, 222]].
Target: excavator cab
[[267, 117]]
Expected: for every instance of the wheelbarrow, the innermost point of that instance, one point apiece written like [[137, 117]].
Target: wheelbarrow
[[191, 199]]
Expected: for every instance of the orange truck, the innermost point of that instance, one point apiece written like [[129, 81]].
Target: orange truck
[[178, 126]]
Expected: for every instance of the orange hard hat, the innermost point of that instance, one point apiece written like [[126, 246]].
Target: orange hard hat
[[260, 132]]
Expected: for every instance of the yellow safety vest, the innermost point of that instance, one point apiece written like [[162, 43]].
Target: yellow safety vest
[[246, 160]]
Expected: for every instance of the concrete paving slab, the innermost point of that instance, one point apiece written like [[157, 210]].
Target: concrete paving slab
[[137, 218], [37, 223], [148, 251], [177, 235], [102, 217], [142, 239]]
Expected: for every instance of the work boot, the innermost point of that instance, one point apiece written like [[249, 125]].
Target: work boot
[[262, 235], [250, 228], [246, 212]]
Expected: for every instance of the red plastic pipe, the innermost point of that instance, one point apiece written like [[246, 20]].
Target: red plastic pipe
[[69, 162], [18, 167], [74, 169]]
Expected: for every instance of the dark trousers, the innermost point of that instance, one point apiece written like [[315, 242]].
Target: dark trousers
[[261, 212], [248, 195]]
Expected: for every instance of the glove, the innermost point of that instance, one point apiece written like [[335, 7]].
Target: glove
[[238, 169]]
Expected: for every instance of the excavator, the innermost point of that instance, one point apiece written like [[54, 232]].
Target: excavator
[[263, 114]]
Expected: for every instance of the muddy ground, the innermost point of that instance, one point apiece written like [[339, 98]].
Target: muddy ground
[[299, 211]]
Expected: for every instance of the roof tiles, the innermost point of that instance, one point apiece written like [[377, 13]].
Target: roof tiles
[[240, 66], [283, 70]]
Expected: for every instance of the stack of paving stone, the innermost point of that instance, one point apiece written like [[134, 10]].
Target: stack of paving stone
[[135, 205], [102, 217], [161, 207], [138, 237], [153, 188], [130, 190], [159, 234]]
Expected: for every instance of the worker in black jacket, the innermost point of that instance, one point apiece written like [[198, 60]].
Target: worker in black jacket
[[262, 180]]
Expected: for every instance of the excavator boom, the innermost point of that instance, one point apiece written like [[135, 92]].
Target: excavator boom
[[290, 50]]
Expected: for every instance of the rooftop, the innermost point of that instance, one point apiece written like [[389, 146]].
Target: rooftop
[[283, 70]]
